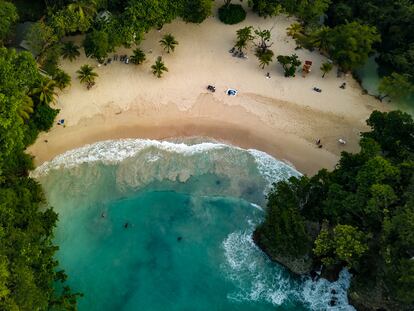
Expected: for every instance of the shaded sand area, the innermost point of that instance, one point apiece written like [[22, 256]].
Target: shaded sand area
[[281, 116]]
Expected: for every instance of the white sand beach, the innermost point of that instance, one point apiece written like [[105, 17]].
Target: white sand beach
[[281, 116]]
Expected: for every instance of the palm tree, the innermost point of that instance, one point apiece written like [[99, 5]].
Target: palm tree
[[87, 75], [62, 79], [168, 42], [25, 108], [138, 57], [265, 57], [321, 38], [295, 30], [244, 35], [85, 9], [45, 91], [70, 51], [325, 68], [159, 67]]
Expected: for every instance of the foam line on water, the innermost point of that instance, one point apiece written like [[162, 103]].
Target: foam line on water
[[153, 152], [258, 279]]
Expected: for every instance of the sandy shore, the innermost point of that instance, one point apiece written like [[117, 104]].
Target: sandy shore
[[280, 116]]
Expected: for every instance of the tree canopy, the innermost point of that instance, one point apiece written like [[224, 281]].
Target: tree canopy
[[349, 44], [8, 16], [364, 210], [28, 270]]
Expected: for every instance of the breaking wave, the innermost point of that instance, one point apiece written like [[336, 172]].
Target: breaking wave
[[258, 279], [136, 163]]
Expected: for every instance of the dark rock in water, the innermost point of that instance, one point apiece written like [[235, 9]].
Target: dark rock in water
[[218, 182], [333, 301], [314, 275], [333, 292], [331, 273], [179, 238]]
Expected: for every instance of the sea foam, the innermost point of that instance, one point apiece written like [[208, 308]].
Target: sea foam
[[257, 279], [141, 162]]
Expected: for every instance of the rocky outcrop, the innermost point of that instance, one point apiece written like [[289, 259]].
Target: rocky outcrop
[[298, 266]]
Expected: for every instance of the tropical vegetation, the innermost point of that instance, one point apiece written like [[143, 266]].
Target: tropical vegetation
[[360, 216], [231, 13], [29, 273], [289, 64], [138, 56], [326, 68], [159, 67], [244, 36], [168, 42], [87, 75], [70, 51]]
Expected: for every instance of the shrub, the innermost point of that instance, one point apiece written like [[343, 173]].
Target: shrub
[[232, 14], [44, 116], [196, 11]]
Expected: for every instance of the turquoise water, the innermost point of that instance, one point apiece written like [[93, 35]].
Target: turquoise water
[[145, 225], [370, 81]]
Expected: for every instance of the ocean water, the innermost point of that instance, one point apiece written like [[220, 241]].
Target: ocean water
[[149, 225]]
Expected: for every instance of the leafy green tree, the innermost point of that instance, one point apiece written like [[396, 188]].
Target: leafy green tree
[[138, 57], [289, 64], [344, 243], [18, 73], [284, 231], [397, 86], [263, 52], [70, 50], [264, 39], [25, 108], [196, 11], [40, 37], [27, 264], [142, 15], [62, 79], [44, 91], [49, 60], [320, 38], [97, 45], [72, 18], [266, 8], [326, 68], [8, 16], [159, 68], [295, 30], [349, 44], [244, 36], [231, 14], [311, 11], [168, 42], [84, 10], [87, 76], [365, 206], [393, 131]]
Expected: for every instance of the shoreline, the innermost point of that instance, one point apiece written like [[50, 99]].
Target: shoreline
[[280, 116], [208, 118]]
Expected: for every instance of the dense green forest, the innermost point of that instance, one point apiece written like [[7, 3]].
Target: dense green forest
[[360, 216], [27, 267]]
